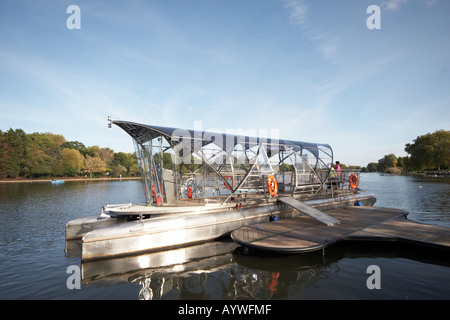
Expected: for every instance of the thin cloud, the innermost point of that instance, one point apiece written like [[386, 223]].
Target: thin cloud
[[430, 3], [329, 48], [298, 10], [393, 5]]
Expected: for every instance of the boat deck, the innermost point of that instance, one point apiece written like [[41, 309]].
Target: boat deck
[[304, 234]]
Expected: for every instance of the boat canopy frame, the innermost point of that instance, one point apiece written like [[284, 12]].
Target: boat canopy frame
[[241, 164]]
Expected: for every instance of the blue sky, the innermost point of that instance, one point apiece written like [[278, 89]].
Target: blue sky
[[310, 70]]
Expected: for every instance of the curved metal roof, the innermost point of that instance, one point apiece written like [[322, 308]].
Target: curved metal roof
[[198, 139]]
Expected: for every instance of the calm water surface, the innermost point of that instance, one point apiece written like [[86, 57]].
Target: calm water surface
[[33, 262]]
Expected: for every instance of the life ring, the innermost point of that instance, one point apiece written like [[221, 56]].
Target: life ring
[[353, 181], [272, 185], [155, 196], [227, 185]]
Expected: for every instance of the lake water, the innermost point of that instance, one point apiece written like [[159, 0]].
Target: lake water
[[34, 265]]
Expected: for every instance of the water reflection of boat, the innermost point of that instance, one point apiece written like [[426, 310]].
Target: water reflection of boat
[[214, 270], [167, 274], [222, 270], [198, 258], [202, 185]]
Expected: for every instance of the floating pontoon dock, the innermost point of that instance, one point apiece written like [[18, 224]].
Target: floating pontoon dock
[[304, 234]]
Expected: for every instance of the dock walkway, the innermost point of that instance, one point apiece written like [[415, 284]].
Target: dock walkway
[[304, 234]]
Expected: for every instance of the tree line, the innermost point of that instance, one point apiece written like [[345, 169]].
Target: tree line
[[48, 155], [40, 155], [428, 152]]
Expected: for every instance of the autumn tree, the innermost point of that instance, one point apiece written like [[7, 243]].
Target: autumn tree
[[93, 165], [49, 155], [119, 169], [107, 155]]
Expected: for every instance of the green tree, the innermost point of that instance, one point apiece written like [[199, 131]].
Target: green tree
[[134, 170], [42, 154], [372, 167], [3, 160], [12, 152], [124, 159], [48, 143], [93, 151], [430, 151], [388, 161], [75, 145], [38, 164], [72, 162], [404, 162]]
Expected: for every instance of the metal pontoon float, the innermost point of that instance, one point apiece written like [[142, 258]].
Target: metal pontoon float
[[200, 186]]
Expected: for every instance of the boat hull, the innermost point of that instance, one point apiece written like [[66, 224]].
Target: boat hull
[[174, 231]]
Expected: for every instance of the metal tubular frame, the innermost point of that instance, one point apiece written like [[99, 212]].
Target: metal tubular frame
[[183, 142]]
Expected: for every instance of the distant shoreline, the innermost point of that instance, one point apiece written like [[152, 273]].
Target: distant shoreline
[[438, 174], [66, 180]]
